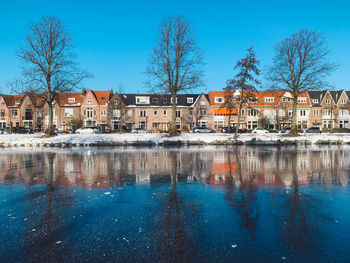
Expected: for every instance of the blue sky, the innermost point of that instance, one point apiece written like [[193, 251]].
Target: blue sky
[[114, 39]]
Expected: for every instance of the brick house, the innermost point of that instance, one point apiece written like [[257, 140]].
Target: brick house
[[94, 108]]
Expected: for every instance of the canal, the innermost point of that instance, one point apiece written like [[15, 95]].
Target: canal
[[196, 204]]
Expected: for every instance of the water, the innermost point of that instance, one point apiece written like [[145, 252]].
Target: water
[[207, 204]]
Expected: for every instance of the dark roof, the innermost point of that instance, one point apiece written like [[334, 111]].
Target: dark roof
[[316, 95], [159, 99], [336, 95]]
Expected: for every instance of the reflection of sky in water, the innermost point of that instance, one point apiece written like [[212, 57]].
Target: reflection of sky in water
[[177, 205]]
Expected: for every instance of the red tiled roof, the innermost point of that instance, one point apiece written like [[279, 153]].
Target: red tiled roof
[[10, 100], [63, 99], [102, 96]]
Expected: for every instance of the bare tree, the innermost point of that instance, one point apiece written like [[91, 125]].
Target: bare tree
[[244, 82], [300, 64], [175, 60], [229, 103], [49, 64]]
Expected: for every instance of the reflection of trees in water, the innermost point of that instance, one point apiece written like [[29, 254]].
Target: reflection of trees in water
[[49, 226], [175, 222], [241, 194], [296, 228]]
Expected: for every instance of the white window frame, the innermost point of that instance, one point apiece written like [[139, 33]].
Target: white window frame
[[189, 100], [71, 100], [269, 99], [218, 99], [69, 112]]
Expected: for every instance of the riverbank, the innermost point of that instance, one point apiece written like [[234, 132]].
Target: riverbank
[[155, 139]]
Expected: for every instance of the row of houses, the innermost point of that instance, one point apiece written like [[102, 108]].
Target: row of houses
[[116, 111]]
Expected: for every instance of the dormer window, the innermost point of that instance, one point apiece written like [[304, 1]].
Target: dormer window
[[218, 100], [71, 100], [269, 99], [189, 100], [154, 100], [171, 100], [17, 101], [142, 100], [164, 101], [116, 102], [252, 100], [302, 100], [103, 98], [314, 100]]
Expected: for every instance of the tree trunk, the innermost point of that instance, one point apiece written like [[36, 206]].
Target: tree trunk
[[238, 121], [294, 129], [173, 131]]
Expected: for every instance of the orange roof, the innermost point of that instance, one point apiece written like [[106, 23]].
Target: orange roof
[[225, 167], [63, 99], [10, 100], [221, 93], [304, 94], [102, 96], [224, 111], [261, 95]]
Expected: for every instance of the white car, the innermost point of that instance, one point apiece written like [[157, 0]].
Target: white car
[[3, 131], [140, 130], [260, 131], [88, 130]]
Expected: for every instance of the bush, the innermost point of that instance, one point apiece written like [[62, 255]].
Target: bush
[[340, 130]]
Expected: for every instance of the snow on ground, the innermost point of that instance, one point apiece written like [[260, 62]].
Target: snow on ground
[[84, 139]]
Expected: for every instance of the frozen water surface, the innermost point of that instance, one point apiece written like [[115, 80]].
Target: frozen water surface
[[205, 204]]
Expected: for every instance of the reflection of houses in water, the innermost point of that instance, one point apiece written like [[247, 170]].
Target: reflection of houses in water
[[103, 169]]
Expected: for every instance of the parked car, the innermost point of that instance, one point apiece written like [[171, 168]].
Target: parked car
[[23, 130], [61, 132], [140, 130], [260, 131], [3, 131], [312, 130], [202, 130], [232, 130], [285, 130], [88, 130]]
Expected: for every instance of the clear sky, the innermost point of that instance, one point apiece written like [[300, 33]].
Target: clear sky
[[114, 39]]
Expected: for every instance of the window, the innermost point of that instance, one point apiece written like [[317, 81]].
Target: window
[[281, 113], [68, 112], [290, 112], [302, 100], [314, 100], [89, 112], [129, 113], [116, 113], [190, 112], [89, 101], [178, 114], [155, 113], [302, 113], [143, 113], [14, 113], [27, 102], [116, 102], [344, 112], [18, 101], [103, 113], [328, 101], [189, 100], [165, 101], [103, 98], [269, 99], [155, 100], [203, 112], [242, 112], [142, 100], [343, 101], [164, 112], [202, 103], [327, 112], [171, 100], [71, 100], [218, 99], [252, 112], [315, 112], [143, 125], [252, 100]]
